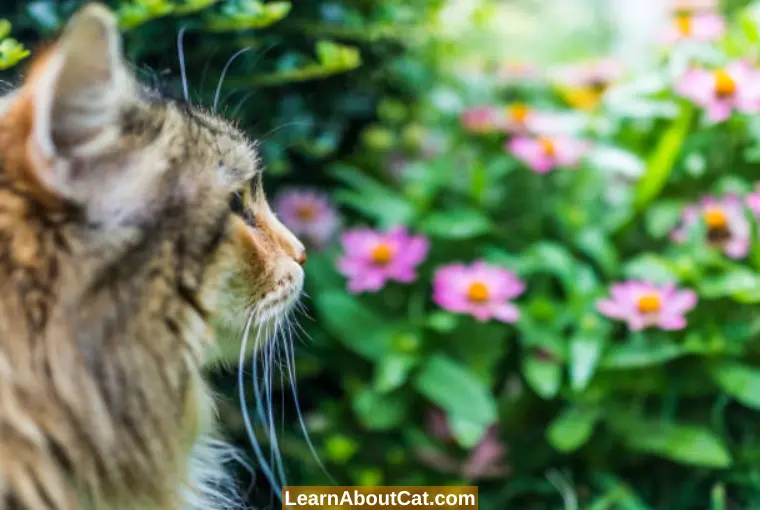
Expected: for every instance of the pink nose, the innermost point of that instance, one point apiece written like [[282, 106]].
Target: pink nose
[[301, 257]]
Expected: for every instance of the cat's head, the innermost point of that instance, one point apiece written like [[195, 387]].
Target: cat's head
[[154, 181]]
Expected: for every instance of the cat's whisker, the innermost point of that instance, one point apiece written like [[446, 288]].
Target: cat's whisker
[[274, 446], [263, 394], [240, 104], [289, 348], [182, 69], [250, 430], [224, 74], [274, 130]]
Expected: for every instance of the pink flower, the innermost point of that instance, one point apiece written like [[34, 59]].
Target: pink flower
[[520, 118], [483, 119], [512, 73], [543, 154], [372, 258], [309, 215], [643, 304], [698, 27], [725, 222], [480, 290], [593, 73], [720, 91], [583, 85], [687, 6], [753, 202], [486, 460]]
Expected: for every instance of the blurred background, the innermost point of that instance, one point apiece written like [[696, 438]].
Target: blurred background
[[533, 230]]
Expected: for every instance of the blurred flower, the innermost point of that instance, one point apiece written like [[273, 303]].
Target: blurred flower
[[725, 221], [372, 258], [720, 91], [687, 6], [309, 215], [486, 460], [514, 73], [519, 118], [542, 154], [583, 85], [480, 290], [753, 202], [642, 304], [483, 119], [698, 27]]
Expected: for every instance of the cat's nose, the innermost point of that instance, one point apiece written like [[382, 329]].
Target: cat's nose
[[301, 256]]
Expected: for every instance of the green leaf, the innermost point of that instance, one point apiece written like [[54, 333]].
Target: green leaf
[[465, 432], [545, 377], [392, 371], [554, 259], [458, 391], [355, 325], [456, 224], [741, 284], [380, 412], [247, 15], [571, 429], [652, 268], [585, 352], [686, 444], [5, 28], [594, 244], [442, 322], [662, 161], [337, 56], [372, 198], [662, 217], [739, 381], [636, 355]]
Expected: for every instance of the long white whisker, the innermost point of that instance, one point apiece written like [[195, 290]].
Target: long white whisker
[[224, 73], [291, 364], [182, 70], [272, 431], [283, 126], [246, 417]]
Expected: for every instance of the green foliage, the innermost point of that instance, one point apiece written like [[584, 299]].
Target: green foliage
[[569, 406], [11, 51]]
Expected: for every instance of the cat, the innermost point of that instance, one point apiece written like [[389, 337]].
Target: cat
[[128, 223]]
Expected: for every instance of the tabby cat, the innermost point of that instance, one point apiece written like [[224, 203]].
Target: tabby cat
[[125, 218]]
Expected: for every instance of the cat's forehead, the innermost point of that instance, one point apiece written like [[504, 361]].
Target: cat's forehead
[[211, 135], [237, 153]]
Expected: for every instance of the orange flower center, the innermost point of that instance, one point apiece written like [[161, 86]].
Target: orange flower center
[[305, 212], [382, 254], [683, 24], [477, 292], [715, 219], [519, 112], [724, 84], [649, 303], [585, 98], [547, 146]]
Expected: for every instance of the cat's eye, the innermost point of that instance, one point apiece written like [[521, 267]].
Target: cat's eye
[[236, 203]]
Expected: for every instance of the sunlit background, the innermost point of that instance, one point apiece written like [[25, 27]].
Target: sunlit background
[[533, 230]]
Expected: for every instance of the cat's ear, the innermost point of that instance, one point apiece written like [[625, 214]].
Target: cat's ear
[[77, 89]]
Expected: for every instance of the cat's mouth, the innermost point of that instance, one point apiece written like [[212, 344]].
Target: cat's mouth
[[279, 302]]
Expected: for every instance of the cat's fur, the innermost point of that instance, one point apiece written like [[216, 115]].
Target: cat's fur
[[116, 243]]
